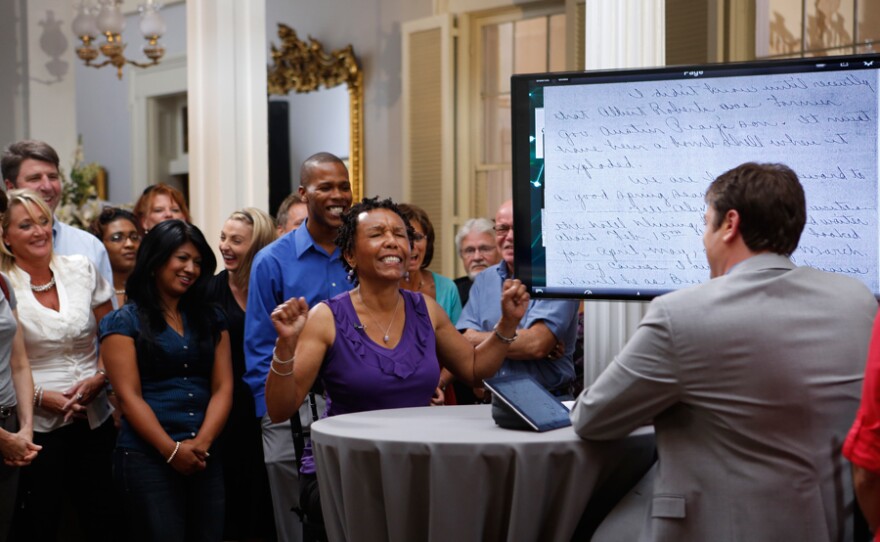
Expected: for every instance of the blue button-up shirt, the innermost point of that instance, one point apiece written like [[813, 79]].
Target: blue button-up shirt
[[175, 378], [483, 310], [292, 266]]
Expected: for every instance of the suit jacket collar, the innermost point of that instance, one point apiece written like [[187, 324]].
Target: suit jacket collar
[[765, 260]]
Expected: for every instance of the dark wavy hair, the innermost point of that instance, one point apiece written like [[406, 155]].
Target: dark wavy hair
[[156, 249], [108, 216], [346, 236], [414, 212], [770, 201]]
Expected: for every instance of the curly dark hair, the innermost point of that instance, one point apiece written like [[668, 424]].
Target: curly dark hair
[[345, 237], [109, 215]]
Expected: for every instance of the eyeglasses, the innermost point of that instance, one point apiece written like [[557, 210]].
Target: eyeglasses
[[482, 249], [502, 229], [120, 237], [416, 237]]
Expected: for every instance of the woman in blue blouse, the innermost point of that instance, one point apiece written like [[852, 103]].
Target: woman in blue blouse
[[167, 356]]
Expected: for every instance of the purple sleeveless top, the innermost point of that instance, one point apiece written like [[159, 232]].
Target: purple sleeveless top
[[359, 375]]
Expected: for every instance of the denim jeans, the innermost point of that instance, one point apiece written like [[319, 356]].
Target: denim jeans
[[160, 504]]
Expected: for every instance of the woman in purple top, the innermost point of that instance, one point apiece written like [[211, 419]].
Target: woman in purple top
[[377, 346]]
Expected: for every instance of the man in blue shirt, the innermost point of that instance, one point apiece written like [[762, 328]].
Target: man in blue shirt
[[303, 263], [545, 341], [34, 165]]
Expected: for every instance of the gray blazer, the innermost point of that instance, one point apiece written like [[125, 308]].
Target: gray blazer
[[752, 380]]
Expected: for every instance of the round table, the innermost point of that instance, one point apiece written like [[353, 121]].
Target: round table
[[449, 473]]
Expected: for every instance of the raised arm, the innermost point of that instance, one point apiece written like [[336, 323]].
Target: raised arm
[[303, 339], [534, 342], [470, 363]]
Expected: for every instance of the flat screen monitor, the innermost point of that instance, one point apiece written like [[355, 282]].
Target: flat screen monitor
[[610, 168]]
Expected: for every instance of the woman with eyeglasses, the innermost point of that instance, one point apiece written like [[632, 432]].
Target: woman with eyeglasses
[[420, 279], [248, 501], [118, 230]]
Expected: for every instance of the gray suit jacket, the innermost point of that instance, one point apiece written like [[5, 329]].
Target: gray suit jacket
[[752, 380]]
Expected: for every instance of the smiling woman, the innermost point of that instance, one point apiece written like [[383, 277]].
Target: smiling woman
[[248, 510], [378, 346], [160, 202], [72, 414], [167, 356], [118, 230]]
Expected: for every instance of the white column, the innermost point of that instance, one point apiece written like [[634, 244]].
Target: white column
[[50, 86], [619, 34], [227, 101], [625, 33]]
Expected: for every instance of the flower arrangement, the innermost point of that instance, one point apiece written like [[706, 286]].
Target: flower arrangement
[[79, 197]]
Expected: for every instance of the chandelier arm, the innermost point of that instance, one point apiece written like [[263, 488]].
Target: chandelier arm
[[101, 65], [142, 64]]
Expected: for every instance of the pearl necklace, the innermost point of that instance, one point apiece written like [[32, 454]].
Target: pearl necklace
[[385, 336], [121, 291], [44, 287]]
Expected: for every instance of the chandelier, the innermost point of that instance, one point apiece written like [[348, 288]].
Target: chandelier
[[106, 19]]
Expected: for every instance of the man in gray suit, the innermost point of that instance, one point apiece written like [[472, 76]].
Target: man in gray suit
[[751, 379]]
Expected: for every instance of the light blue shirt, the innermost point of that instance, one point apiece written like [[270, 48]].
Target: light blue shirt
[[483, 310], [291, 266], [68, 241]]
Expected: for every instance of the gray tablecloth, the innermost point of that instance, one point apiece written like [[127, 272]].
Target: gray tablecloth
[[450, 474]]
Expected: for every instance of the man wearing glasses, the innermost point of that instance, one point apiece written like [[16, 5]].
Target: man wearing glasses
[[545, 340], [475, 243]]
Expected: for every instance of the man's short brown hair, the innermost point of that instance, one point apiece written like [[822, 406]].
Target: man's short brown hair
[[20, 151], [770, 201]]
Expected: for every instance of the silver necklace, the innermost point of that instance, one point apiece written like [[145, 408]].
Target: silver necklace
[[385, 336], [44, 287]]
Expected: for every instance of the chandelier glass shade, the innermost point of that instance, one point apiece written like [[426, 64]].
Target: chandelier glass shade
[[106, 20]]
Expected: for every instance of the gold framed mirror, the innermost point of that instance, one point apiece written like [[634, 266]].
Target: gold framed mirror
[[305, 67]]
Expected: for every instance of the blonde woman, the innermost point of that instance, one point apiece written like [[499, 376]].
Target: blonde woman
[[61, 299], [248, 501]]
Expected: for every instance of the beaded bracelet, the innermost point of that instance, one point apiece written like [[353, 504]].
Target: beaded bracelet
[[176, 448], [280, 361], [37, 391], [40, 398]]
